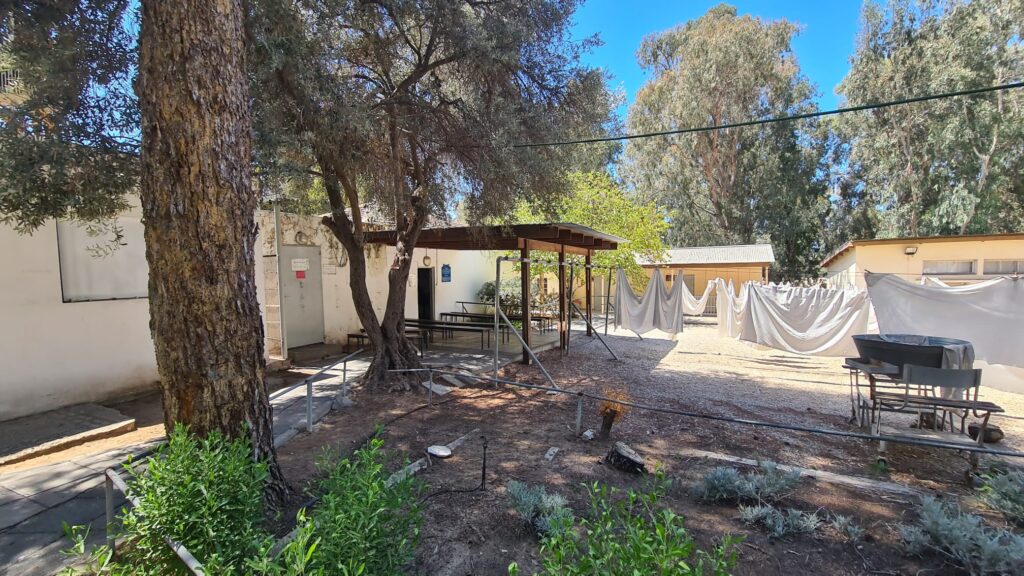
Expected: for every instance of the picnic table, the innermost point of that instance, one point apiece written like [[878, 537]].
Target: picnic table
[[924, 391], [544, 321]]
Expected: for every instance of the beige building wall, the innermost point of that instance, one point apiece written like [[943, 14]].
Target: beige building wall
[[892, 258], [702, 274]]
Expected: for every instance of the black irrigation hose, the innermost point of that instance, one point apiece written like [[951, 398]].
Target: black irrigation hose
[[818, 114], [481, 487], [793, 427]]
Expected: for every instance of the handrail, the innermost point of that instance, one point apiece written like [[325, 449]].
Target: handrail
[[308, 381], [112, 479]]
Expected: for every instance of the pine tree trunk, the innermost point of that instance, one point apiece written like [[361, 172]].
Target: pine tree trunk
[[199, 216]]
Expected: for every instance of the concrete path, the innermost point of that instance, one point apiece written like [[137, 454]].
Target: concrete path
[[35, 502]]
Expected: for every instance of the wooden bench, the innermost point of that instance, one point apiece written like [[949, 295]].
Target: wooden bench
[[412, 334], [432, 326]]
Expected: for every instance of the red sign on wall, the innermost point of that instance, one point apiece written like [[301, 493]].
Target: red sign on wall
[[300, 274]]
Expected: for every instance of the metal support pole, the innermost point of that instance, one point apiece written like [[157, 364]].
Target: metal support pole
[[497, 309], [596, 333], [569, 305], [309, 405], [588, 301], [430, 386], [579, 414], [607, 301], [108, 493], [528, 349]]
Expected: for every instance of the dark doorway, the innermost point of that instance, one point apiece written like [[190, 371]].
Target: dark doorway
[[425, 293]]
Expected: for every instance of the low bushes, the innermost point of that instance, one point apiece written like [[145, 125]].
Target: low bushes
[[542, 510], [629, 534], [1004, 491], [208, 495], [964, 540], [767, 484]]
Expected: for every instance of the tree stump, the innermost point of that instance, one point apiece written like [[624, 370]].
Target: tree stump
[[607, 419], [624, 458]]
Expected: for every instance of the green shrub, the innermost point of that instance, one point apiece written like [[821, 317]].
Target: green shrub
[[361, 525], [766, 484], [206, 493], [537, 507], [964, 539], [629, 535], [1005, 493], [780, 523]]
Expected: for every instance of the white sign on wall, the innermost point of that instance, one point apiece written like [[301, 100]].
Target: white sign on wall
[[92, 267], [300, 264]]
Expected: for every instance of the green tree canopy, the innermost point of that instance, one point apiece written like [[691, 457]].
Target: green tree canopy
[[596, 200], [949, 166], [739, 185]]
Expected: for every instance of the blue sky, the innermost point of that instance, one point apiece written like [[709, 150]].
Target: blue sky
[[823, 47]]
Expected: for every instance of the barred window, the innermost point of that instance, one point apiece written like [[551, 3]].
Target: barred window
[[944, 267], [1004, 266]]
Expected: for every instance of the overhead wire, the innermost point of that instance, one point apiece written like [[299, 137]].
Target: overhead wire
[[776, 119]]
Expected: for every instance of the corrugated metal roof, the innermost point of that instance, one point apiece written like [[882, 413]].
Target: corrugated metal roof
[[739, 254]]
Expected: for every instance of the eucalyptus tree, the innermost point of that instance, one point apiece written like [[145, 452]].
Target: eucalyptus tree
[[412, 105], [948, 166], [737, 185], [83, 141]]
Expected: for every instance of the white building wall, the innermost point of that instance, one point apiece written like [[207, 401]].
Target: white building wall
[[54, 353]]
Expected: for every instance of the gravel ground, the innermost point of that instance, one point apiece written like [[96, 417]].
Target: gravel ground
[[704, 372]]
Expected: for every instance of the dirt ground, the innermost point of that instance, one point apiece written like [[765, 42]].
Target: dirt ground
[[478, 533]]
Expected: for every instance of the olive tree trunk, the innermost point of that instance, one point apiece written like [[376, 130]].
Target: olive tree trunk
[[199, 216]]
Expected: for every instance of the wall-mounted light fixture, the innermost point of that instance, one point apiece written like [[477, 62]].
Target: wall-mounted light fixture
[[910, 250], [426, 261]]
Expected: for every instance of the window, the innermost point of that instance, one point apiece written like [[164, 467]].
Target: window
[[944, 267], [1004, 266]]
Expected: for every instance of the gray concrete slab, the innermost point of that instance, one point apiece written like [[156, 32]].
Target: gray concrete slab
[[7, 496], [33, 481], [23, 437], [17, 511]]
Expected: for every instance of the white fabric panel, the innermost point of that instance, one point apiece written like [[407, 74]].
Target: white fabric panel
[[123, 273], [815, 321], [691, 305], [657, 309], [730, 308], [989, 315]]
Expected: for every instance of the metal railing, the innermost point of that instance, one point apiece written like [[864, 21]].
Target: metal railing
[[308, 381]]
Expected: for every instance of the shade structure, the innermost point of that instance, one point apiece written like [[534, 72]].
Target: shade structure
[[561, 237], [553, 237]]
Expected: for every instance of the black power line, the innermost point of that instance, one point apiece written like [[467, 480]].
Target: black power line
[[776, 119]]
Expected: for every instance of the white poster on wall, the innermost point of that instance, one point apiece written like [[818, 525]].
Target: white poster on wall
[[102, 263]]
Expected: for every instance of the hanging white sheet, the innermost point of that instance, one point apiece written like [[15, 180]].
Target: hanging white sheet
[[815, 321], [729, 307], [691, 305], [657, 309], [989, 315]]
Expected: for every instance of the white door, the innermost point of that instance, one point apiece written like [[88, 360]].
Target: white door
[[302, 295]]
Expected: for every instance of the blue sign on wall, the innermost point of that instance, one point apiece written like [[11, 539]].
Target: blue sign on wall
[[446, 273]]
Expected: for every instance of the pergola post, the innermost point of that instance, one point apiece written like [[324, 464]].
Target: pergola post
[[524, 268], [561, 298], [588, 302]]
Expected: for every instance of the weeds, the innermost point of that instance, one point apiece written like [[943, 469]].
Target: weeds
[[537, 507], [629, 535], [963, 539], [767, 484]]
